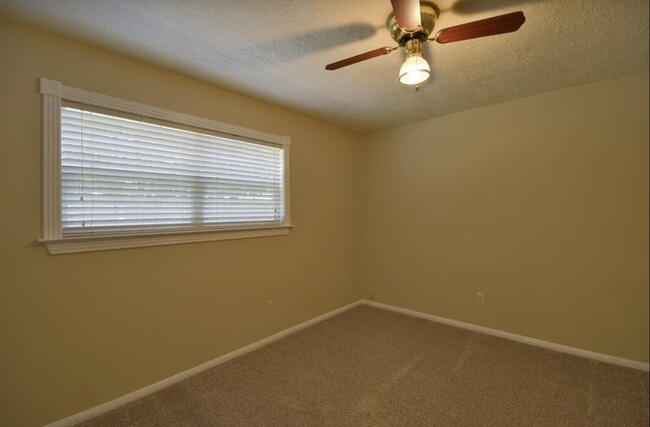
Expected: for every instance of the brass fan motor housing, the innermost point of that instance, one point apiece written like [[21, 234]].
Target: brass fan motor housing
[[429, 13]]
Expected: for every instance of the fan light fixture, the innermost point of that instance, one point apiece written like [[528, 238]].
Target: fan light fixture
[[415, 69], [411, 24]]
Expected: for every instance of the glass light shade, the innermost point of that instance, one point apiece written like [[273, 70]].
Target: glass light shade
[[414, 70]]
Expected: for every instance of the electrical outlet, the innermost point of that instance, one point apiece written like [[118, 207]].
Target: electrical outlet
[[270, 306], [480, 298]]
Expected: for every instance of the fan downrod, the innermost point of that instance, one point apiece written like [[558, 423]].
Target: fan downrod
[[429, 13]]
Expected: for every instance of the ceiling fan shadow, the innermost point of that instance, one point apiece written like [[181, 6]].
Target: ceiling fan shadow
[[299, 45], [468, 7]]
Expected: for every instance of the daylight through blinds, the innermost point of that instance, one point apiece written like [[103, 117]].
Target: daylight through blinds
[[125, 175]]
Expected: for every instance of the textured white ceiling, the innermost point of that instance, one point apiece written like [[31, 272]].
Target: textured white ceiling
[[277, 50]]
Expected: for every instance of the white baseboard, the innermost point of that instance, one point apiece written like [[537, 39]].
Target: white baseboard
[[115, 403], [518, 338]]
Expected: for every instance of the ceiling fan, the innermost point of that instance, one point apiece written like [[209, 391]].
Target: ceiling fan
[[411, 23]]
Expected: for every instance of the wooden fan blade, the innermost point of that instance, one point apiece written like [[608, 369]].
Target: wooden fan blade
[[485, 27], [358, 58], [407, 13]]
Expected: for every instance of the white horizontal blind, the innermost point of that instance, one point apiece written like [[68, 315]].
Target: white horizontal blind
[[122, 175]]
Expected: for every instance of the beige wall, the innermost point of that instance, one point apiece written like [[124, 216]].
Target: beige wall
[[79, 330], [541, 203]]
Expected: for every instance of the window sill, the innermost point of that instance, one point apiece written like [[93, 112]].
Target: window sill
[[71, 245]]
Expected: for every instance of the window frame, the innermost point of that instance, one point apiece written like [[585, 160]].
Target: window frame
[[53, 93]]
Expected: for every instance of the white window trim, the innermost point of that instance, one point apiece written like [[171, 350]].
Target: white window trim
[[53, 93]]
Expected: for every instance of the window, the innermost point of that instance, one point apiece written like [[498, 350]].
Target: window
[[118, 174]]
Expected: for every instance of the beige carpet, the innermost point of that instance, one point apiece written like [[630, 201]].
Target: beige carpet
[[372, 367]]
